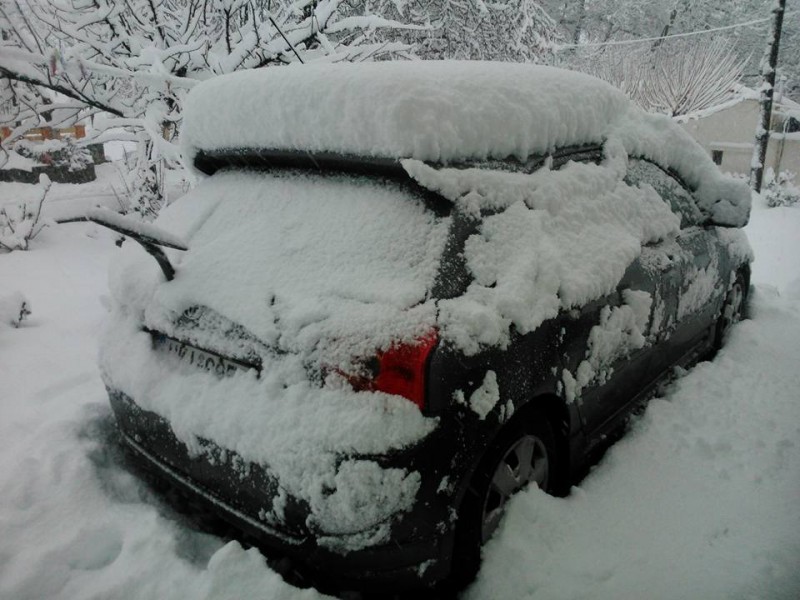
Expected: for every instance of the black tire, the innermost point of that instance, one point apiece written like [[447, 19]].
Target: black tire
[[484, 499], [733, 310]]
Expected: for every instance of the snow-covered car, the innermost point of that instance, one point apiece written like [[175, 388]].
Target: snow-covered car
[[401, 292]]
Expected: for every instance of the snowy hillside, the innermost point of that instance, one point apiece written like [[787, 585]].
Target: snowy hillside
[[699, 500]]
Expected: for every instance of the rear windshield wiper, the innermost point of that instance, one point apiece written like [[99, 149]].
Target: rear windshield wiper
[[150, 237]]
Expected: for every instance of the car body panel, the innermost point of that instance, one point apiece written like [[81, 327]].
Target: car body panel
[[685, 279]]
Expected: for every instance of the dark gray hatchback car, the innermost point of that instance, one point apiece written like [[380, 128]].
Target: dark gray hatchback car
[[351, 357]]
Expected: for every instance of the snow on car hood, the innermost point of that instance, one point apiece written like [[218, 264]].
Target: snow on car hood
[[444, 111]]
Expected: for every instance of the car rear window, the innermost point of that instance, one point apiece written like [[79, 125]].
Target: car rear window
[[292, 252]]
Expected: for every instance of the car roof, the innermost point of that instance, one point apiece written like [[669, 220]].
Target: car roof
[[441, 112], [437, 111]]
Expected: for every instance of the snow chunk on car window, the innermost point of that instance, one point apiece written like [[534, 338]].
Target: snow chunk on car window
[[556, 240]]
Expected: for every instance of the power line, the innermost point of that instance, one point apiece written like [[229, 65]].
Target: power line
[[664, 37]]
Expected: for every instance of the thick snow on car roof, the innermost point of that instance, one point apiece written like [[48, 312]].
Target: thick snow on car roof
[[431, 111], [443, 111]]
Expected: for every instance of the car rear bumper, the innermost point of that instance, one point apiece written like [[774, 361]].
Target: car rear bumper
[[415, 555]]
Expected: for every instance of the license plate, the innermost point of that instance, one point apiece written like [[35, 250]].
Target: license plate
[[200, 359]]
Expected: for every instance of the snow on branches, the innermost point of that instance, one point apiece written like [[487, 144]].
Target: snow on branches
[[674, 78], [134, 61], [21, 222], [513, 30]]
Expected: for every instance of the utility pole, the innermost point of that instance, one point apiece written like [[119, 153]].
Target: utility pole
[[768, 64]]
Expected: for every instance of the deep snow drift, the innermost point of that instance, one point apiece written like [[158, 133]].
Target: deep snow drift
[[698, 501]]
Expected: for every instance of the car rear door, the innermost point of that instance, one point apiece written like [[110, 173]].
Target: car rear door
[[610, 350], [687, 272], [607, 344]]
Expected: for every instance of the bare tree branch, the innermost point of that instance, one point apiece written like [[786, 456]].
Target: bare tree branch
[[60, 89]]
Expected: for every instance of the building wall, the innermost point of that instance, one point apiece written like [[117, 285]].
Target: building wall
[[782, 155], [731, 131]]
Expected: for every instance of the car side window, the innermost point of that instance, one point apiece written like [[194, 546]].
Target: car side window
[[552, 160], [670, 189], [583, 155]]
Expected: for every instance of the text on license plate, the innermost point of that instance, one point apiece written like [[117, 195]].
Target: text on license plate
[[200, 358]]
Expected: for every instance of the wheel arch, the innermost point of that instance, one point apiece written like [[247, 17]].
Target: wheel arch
[[558, 415], [745, 270], [561, 419]]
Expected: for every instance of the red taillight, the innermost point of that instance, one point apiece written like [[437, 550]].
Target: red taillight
[[400, 370]]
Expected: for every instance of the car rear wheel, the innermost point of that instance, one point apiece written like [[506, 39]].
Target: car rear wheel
[[526, 461], [523, 455]]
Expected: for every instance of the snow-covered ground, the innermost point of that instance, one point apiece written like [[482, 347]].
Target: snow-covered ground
[[700, 500], [67, 200]]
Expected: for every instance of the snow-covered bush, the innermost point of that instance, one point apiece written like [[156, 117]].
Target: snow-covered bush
[[21, 222], [79, 157], [57, 153], [780, 190], [141, 182], [145, 197], [14, 309]]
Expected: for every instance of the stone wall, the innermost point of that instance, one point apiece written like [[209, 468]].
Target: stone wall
[[56, 174]]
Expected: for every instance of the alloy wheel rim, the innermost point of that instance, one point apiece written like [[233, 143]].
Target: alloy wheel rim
[[525, 462]]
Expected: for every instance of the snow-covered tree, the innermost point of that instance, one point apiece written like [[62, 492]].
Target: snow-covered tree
[[676, 78], [511, 30], [135, 60], [588, 23]]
